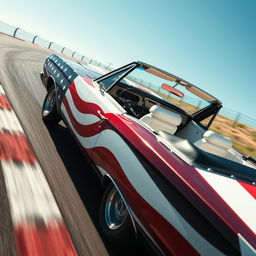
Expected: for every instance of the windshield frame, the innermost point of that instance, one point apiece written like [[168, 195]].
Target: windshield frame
[[211, 110]]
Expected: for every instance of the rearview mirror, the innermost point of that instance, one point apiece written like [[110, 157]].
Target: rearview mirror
[[172, 90]]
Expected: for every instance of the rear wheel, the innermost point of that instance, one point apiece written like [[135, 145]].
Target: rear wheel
[[50, 114], [115, 221]]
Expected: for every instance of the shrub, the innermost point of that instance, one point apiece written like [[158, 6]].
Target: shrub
[[241, 125]]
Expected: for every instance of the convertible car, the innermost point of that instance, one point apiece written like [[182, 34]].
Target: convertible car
[[166, 176]]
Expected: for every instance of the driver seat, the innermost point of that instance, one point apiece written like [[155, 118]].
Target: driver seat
[[161, 119]]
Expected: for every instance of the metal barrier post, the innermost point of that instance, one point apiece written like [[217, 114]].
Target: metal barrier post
[[50, 44], [109, 64], [15, 31], [181, 101], [236, 119], [73, 54], [63, 49], [33, 41], [199, 104]]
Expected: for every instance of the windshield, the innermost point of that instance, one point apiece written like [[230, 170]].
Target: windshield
[[151, 80]]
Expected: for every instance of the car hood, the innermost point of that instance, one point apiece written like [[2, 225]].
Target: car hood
[[84, 70]]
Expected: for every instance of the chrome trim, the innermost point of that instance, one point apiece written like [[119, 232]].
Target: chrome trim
[[49, 103], [130, 212], [115, 210]]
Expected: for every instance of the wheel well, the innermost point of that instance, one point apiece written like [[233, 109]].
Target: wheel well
[[50, 83], [106, 181]]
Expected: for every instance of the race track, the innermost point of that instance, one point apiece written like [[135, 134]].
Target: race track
[[74, 186]]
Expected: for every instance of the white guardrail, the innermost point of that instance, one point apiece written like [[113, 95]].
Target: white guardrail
[[17, 32]]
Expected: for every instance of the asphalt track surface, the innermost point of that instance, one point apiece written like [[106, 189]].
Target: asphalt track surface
[[69, 174]]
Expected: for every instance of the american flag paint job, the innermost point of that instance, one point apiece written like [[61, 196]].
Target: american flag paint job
[[145, 193]]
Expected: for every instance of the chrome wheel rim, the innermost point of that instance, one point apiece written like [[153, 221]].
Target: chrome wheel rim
[[49, 103], [115, 210]]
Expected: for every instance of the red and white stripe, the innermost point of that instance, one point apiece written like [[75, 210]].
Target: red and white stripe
[[240, 197], [38, 225], [235, 195]]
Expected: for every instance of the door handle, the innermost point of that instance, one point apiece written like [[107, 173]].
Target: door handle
[[102, 117]]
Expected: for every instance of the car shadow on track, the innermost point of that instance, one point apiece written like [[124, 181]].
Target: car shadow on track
[[85, 180]]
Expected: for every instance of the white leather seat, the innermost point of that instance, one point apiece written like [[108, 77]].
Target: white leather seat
[[161, 119], [217, 145]]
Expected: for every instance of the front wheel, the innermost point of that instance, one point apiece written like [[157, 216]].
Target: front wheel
[[50, 114], [115, 221]]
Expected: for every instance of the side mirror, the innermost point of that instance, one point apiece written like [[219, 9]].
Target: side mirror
[[101, 86], [172, 90]]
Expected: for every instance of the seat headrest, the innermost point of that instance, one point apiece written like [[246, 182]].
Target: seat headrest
[[165, 115], [218, 140]]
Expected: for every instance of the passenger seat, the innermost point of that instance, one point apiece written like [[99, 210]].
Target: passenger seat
[[218, 145], [161, 119]]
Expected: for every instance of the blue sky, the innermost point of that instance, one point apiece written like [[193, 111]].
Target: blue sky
[[209, 43]]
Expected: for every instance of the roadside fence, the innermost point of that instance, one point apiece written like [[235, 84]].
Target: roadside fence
[[36, 39]]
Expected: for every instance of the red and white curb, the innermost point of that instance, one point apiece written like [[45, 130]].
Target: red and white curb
[[38, 225]]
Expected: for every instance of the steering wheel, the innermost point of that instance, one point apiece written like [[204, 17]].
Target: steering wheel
[[128, 104]]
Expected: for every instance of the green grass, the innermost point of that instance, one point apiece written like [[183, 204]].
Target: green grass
[[254, 136], [247, 151], [250, 148]]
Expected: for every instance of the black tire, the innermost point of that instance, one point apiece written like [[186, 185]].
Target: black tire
[[50, 113], [122, 236]]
